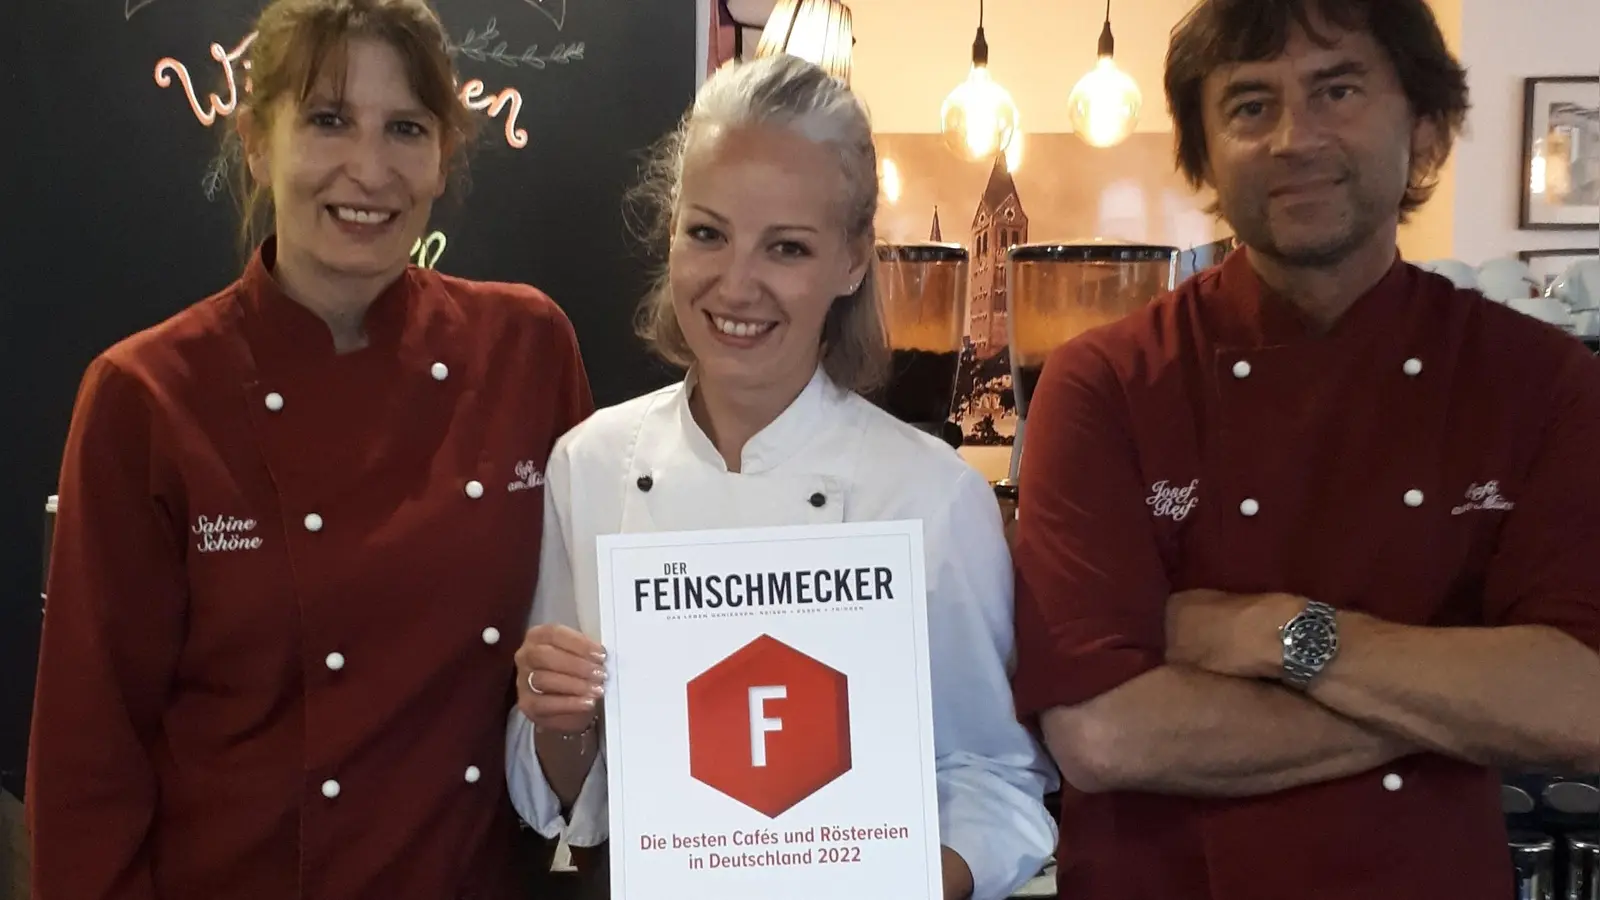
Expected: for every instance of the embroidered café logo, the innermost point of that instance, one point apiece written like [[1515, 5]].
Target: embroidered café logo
[[1171, 502], [225, 534], [1483, 496], [528, 477]]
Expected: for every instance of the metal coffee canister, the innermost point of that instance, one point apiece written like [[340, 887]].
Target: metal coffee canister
[[1573, 796], [1533, 858], [1583, 866]]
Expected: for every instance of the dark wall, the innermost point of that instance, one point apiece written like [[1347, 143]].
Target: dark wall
[[111, 221]]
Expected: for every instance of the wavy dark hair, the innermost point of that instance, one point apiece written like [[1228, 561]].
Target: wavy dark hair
[[1217, 33]]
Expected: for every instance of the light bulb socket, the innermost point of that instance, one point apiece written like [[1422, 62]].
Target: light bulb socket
[[1108, 44], [980, 49]]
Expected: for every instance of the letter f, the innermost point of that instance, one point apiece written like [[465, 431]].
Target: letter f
[[760, 724]]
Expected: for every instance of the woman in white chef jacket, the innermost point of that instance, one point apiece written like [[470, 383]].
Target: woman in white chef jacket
[[767, 195]]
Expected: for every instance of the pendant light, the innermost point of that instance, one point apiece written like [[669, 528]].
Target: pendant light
[[979, 117], [1104, 105], [1013, 151], [817, 31]]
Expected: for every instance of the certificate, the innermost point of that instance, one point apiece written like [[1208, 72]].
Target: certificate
[[768, 715]]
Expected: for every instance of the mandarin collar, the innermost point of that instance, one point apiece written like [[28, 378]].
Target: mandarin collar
[[279, 328], [782, 439], [1253, 315]]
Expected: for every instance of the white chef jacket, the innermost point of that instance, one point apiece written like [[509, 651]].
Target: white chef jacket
[[645, 465]]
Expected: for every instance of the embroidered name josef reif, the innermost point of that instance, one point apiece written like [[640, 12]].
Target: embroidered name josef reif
[[225, 534], [1172, 502]]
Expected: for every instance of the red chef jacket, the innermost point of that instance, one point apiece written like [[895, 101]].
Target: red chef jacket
[[1434, 460], [285, 592]]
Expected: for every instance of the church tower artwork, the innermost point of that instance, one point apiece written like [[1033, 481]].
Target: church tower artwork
[[984, 407], [998, 223]]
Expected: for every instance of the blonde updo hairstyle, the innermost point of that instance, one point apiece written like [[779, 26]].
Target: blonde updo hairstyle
[[785, 92]]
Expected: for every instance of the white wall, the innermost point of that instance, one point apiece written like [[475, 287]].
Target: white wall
[[1502, 42]]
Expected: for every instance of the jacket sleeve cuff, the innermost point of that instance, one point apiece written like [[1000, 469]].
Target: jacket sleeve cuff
[[590, 824], [537, 804], [1003, 835]]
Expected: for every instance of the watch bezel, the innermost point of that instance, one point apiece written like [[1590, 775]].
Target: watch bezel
[[1310, 642], [1304, 634]]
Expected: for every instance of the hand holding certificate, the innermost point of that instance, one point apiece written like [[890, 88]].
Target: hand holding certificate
[[562, 678], [768, 719]]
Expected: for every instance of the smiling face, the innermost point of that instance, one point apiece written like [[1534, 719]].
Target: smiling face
[[760, 253], [354, 171], [1309, 152]]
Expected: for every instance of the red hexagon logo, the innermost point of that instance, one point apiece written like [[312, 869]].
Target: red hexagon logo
[[769, 726]]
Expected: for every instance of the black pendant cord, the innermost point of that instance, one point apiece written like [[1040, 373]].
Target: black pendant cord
[[1108, 44], [980, 46], [795, 20]]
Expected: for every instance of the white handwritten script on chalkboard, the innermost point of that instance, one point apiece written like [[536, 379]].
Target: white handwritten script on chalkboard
[[427, 250], [479, 45], [555, 9], [476, 46]]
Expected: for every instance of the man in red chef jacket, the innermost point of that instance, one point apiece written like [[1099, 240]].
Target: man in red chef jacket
[[1309, 548]]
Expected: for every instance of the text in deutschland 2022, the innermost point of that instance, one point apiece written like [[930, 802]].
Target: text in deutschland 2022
[[820, 845]]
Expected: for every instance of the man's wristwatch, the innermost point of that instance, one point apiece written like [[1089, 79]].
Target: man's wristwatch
[[1310, 642]]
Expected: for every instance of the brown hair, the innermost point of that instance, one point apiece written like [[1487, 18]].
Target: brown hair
[[297, 40], [1217, 33], [780, 91]]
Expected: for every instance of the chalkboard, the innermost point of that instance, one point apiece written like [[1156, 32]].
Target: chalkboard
[[115, 215]]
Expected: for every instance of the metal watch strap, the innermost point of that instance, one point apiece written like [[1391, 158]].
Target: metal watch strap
[[1296, 674]]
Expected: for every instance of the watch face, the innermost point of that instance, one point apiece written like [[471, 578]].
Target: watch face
[[1310, 641]]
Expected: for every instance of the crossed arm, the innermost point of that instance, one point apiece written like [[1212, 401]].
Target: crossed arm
[[1518, 696], [1180, 730], [1179, 693], [1212, 722]]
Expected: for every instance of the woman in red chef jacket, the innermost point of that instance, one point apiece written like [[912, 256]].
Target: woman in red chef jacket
[[292, 557]]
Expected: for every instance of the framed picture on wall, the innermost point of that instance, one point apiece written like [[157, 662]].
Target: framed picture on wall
[[1560, 153], [1547, 265]]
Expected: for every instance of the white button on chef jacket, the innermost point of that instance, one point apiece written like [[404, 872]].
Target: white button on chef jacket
[[313, 522], [1241, 369], [440, 371], [491, 635], [274, 401], [1412, 367], [330, 789], [1413, 498], [1249, 507], [473, 774], [335, 661], [474, 489], [1393, 782]]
